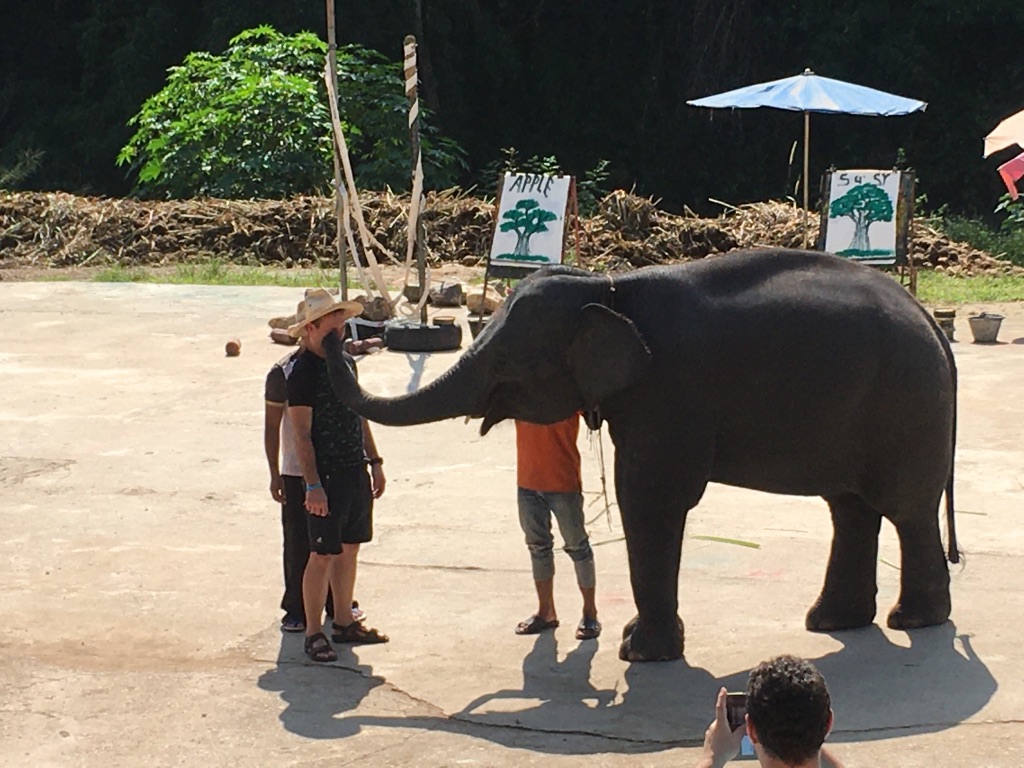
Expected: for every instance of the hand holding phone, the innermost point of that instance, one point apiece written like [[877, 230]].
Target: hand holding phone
[[736, 714]]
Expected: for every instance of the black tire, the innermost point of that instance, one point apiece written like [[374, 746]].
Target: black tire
[[423, 338]]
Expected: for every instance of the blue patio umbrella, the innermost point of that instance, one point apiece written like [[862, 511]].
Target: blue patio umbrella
[[808, 92]]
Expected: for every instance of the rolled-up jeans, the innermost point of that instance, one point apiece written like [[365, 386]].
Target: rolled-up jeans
[[535, 510]]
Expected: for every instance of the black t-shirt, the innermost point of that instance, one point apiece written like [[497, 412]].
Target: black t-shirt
[[337, 430]]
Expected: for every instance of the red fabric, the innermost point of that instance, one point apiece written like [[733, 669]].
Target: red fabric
[[547, 457], [1010, 172]]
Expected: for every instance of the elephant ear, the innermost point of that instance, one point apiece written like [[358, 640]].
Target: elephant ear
[[607, 354]]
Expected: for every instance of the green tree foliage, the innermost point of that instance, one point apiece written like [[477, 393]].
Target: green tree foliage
[[864, 204], [590, 188], [583, 83], [25, 164], [254, 122]]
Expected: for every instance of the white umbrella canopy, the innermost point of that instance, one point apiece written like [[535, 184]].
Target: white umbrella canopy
[[808, 92], [1006, 134]]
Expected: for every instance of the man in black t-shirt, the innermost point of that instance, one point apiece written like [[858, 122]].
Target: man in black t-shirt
[[334, 446]]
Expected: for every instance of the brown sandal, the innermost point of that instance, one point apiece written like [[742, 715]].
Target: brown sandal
[[318, 649], [357, 632], [535, 625]]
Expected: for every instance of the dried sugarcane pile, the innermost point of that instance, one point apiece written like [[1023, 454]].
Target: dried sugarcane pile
[[60, 230], [628, 231], [930, 249]]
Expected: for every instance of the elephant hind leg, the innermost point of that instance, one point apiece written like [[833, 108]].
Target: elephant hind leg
[[924, 577], [847, 599]]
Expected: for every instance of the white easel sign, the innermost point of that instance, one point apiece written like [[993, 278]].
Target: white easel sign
[[531, 220], [862, 215]]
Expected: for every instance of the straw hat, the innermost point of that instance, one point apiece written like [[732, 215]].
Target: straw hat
[[317, 304]]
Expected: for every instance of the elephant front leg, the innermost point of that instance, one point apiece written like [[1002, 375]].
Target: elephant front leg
[[847, 599], [654, 535]]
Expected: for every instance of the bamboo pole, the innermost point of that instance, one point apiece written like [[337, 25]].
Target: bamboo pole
[[416, 232], [339, 208]]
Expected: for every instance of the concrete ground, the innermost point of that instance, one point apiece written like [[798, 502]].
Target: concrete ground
[[140, 563]]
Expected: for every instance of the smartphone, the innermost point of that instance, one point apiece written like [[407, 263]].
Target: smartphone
[[736, 714]]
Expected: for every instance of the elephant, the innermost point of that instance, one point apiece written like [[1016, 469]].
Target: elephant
[[785, 371]]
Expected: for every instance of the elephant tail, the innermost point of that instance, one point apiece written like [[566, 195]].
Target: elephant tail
[[952, 551]]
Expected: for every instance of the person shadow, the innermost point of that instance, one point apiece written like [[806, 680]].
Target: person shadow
[[551, 713], [563, 685], [316, 698]]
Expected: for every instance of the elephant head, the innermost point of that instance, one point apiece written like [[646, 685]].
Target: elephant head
[[555, 348]]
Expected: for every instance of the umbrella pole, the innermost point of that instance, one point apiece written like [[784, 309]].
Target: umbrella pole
[[807, 139]]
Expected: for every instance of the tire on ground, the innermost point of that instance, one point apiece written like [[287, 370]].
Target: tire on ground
[[423, 338]]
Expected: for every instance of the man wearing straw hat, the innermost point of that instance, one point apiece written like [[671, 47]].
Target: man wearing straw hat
[[287, 489], [334, 446]]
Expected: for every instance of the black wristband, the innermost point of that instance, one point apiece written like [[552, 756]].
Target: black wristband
[[375, 460]]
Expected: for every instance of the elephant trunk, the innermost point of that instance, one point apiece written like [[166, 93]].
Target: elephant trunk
[[458, 392]]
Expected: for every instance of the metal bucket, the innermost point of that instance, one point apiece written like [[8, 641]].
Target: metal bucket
[[985, 327]]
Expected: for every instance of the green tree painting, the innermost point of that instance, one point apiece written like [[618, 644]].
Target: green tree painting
[[864, 204], [526, 220]]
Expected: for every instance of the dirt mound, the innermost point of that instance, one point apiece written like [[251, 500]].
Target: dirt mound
[[628, 231]]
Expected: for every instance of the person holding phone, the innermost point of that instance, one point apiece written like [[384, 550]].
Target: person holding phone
[[788, 716]]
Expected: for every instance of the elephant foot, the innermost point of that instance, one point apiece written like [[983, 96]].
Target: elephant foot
[[832, 615], [648, 641], [914, 615]]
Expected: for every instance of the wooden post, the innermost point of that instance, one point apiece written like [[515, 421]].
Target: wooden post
[[904, 226], [416, 229], [807, 140], [339, 241], [826, 201]]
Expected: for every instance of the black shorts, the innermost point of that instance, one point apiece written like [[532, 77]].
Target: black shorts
[[349, 518]]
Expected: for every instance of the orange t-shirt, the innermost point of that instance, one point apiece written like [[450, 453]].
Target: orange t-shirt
[[547, 457]]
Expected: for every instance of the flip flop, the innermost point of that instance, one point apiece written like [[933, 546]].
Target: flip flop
[[588, 629], [535, 625]]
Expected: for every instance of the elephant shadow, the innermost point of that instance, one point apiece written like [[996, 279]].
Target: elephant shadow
[[318, 695], [877, 687], [936, 682]]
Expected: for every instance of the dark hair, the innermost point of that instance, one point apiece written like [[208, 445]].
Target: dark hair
[[789, 706]]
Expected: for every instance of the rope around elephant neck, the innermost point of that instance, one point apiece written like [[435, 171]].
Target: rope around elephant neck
[[598, 433]]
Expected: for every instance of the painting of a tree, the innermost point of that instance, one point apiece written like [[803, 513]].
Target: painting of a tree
[[864, 204], [526, 220]]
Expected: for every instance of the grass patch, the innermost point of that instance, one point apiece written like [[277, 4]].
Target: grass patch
[[933, 288], [936, 288], [218, 272]]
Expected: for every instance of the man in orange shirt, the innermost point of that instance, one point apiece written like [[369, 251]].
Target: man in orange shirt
[[548, 476]]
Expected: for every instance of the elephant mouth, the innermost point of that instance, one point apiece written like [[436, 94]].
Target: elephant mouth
[[490, 419], [495, 410]]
